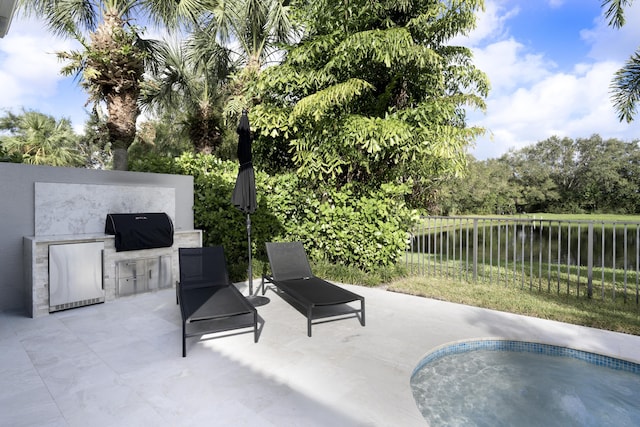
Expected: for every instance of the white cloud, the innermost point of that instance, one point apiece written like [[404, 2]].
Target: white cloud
[[531, 101], [608, 43], [574, 104], [509, 66], [490, 25], [28, 65], [30, 72]]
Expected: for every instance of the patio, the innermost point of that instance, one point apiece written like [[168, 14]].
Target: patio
[[120, 364]]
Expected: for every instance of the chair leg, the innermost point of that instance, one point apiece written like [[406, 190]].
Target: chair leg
[[184, 340], [362, 319], [255, 326], [309, 316]]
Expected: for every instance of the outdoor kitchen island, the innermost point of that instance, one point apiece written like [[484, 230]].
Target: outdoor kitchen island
[[136, 228], [116, 276]]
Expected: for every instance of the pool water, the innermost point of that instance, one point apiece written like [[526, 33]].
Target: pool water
[[496, 387]]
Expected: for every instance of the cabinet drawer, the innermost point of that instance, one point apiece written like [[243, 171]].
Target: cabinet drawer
[[129, 286], [130, 268], [143, 274]]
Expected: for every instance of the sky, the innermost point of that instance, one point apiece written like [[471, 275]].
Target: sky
[[550, 63]]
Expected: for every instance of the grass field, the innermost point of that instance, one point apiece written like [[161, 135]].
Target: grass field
[[538, 290], [615, 316]]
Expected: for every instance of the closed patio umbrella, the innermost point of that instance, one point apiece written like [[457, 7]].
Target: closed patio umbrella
[[244, 192]]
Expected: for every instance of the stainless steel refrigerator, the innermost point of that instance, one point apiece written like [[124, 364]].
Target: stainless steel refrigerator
[[75, 275]]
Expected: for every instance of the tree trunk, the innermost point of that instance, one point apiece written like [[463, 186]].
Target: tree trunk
[[120, 159], [117, 66], [123, 111]]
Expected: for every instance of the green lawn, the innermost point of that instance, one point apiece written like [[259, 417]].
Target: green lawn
[[603, 314]]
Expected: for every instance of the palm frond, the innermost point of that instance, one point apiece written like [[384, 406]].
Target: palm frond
[[64, 17], [205, 52], [625, 88], [278, 20], [615, 11]]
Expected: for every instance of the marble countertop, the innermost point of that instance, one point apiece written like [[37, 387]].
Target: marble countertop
[[83, 237], [70, 237]]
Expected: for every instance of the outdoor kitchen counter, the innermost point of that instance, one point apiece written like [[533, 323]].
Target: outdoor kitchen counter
[[69, 238], [36, 261]]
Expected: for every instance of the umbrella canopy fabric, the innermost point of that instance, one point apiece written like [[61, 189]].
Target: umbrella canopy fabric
[[244, 193]]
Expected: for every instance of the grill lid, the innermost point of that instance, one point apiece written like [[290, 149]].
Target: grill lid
[[134, 231]]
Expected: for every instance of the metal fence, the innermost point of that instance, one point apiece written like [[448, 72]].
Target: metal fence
[[595, 259]]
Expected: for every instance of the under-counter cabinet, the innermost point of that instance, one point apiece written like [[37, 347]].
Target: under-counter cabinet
[[139, 275]]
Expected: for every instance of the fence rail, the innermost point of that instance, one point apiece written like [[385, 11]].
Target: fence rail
[[595, 259]]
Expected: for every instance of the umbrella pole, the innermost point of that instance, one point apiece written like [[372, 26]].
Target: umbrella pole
[[256, 300], [250, 263]]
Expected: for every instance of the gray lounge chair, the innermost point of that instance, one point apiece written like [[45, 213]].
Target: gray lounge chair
[[291, 274], [208, 300]]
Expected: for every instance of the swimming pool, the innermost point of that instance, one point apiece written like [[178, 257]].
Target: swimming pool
[[504, 383]]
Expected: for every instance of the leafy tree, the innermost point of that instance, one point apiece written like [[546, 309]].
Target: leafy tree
[[583, 175], [95, 142], [161, 138], [626, 83], [372, 93], [538, 172], [630, 171], [484, 189], [112, 58], [546, 172], [40, 140], [7, 157], [607, 175]]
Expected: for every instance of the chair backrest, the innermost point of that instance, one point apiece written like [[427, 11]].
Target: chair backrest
[[205, 266], [288, 260]]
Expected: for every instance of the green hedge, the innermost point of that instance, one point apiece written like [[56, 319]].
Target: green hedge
[[367, 231]]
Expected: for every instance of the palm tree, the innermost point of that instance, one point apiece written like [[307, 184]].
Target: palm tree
[[236, 37], [39, 139], [112, 59], [625, 87], [190, 80], [213, 67], [253, 29]]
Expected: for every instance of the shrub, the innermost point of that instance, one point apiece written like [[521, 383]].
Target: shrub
[[367, 231]]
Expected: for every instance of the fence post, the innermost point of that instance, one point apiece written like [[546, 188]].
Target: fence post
[[590, 261], [475, 249]]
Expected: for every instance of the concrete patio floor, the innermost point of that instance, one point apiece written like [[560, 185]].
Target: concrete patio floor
[[119, 363]]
